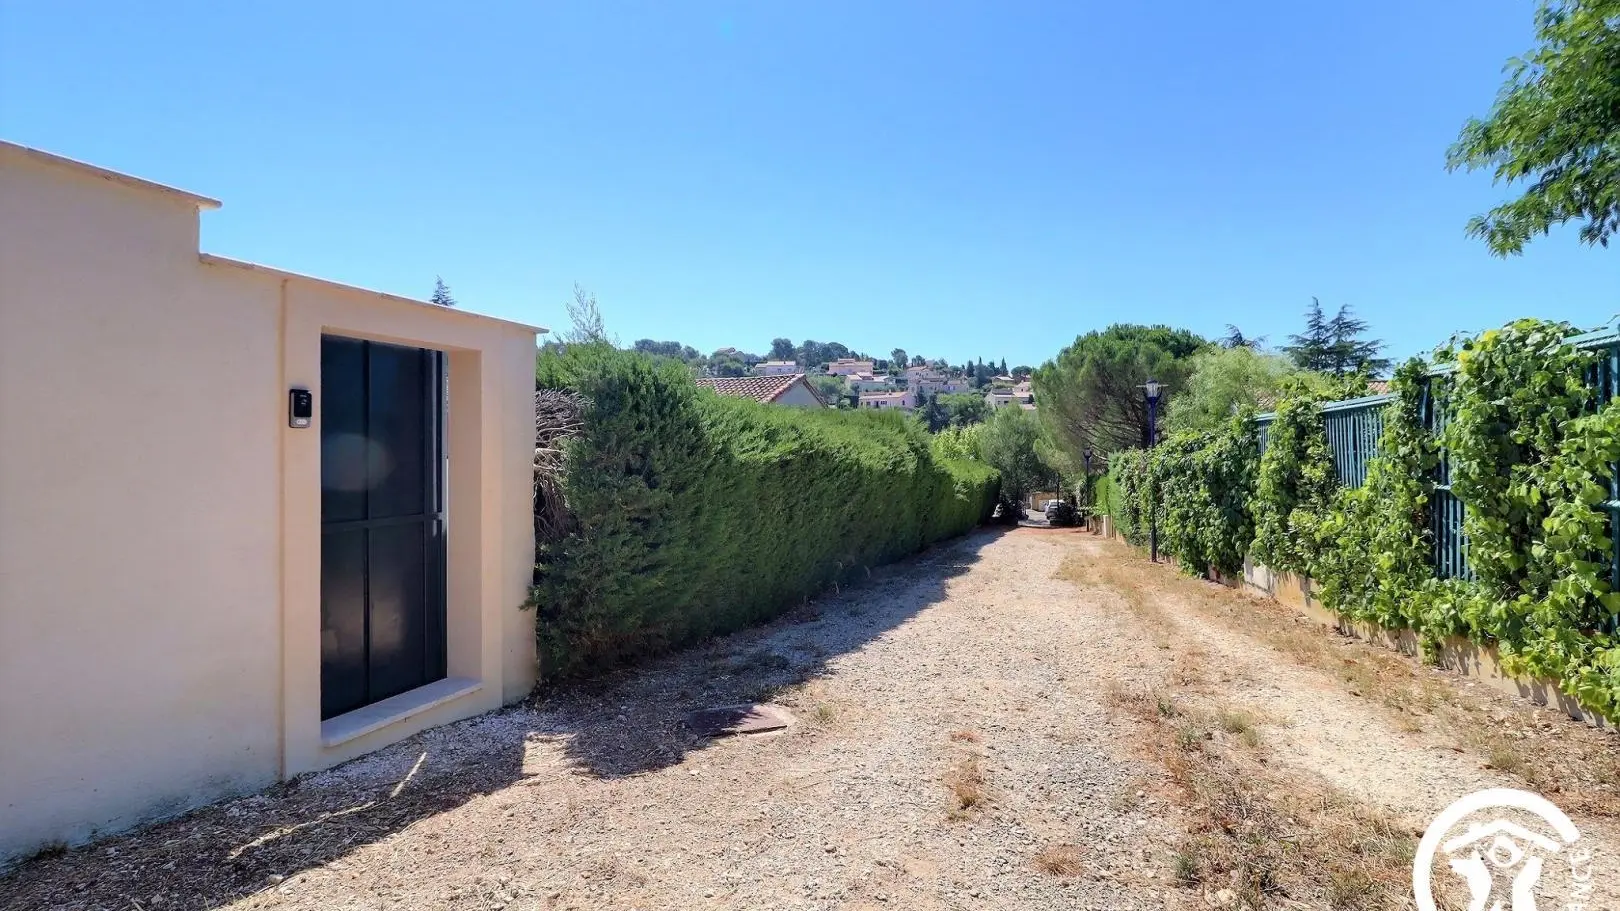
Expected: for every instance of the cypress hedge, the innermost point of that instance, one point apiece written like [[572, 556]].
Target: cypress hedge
[[695, 514]]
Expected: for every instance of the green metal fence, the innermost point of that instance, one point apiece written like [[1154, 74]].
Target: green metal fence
[[1355, 425]]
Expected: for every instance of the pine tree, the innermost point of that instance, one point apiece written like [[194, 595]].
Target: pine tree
[[1350, 352], [441, 293], [1334, 345], [1313, 349], [1234, 338]]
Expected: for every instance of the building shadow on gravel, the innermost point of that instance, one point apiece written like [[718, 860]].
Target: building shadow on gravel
[[634, 721], [225, 852], [629, 723]]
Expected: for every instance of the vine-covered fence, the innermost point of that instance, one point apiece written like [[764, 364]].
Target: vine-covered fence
[[1355, 426], [1479, 498]]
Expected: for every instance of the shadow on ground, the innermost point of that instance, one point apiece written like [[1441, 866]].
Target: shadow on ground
[[633, 723], [630, 723]]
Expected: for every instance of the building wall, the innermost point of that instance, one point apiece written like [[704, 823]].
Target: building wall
[[156, 579], [888, 400], [845, 368], [139, 537], [799, 395]]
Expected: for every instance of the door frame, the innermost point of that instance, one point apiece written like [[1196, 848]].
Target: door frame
[[489, 556]]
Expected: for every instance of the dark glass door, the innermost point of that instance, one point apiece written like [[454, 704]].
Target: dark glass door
[[382, 522]]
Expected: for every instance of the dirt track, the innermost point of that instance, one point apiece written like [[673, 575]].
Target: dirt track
[[960, 743]]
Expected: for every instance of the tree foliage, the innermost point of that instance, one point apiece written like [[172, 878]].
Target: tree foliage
[[1234, 338], [1223, 380], [1334, 345], [586, 318], [1007, 444], [831, 389], [958, 443], [1090, 395], [1555, 130], [783, 349], [441, 293], [963, 408], [675, 350]]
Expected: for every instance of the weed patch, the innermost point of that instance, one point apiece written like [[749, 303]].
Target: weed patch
[[966, 782], [1060, 860]]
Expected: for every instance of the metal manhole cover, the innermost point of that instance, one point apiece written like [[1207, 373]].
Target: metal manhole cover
[[738, 719]]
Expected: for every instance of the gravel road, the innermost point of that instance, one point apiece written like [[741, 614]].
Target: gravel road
[[961, 659], [958, 743]]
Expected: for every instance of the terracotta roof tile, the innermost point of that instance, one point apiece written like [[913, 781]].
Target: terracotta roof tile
[[759, 388]]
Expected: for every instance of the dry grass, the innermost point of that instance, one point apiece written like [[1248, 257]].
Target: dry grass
[[1506, 757], [965, 780], [1241, 725], [1553, 755], [824, 714], [1061, 860], [1273, 840], [965, 736]]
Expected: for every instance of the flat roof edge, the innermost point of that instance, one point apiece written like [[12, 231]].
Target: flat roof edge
[[40, 156], [215, 260]]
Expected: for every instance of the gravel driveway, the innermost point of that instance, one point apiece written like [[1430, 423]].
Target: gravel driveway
[[955, 664], [963, 739]]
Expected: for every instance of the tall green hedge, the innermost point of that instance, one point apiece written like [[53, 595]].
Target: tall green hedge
[[698, 514]]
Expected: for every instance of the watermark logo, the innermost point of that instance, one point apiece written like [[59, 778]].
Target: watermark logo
[[1499, 858]]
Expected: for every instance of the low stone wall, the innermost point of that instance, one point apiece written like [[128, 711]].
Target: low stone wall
[[1481, 663]]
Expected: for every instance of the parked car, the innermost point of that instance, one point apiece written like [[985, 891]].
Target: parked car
[[1060, 513]]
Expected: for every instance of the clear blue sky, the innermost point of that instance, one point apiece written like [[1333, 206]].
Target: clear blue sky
[[963, 180]]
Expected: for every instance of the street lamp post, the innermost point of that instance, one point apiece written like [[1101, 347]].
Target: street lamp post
[[1152, 388], [1091, 503]]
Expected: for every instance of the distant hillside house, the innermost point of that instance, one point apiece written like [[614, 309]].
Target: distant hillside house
[[775, 368], [925, 379], [846, 366], [793, 390], [866, 382], [900, 400], [1001, 398]]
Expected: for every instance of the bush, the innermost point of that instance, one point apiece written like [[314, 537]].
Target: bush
[[1129, 494], [1297, 484], [1371, 551], [1202, 485], [697, 514]]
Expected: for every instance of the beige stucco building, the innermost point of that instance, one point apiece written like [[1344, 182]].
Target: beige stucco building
[[198, 598]]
